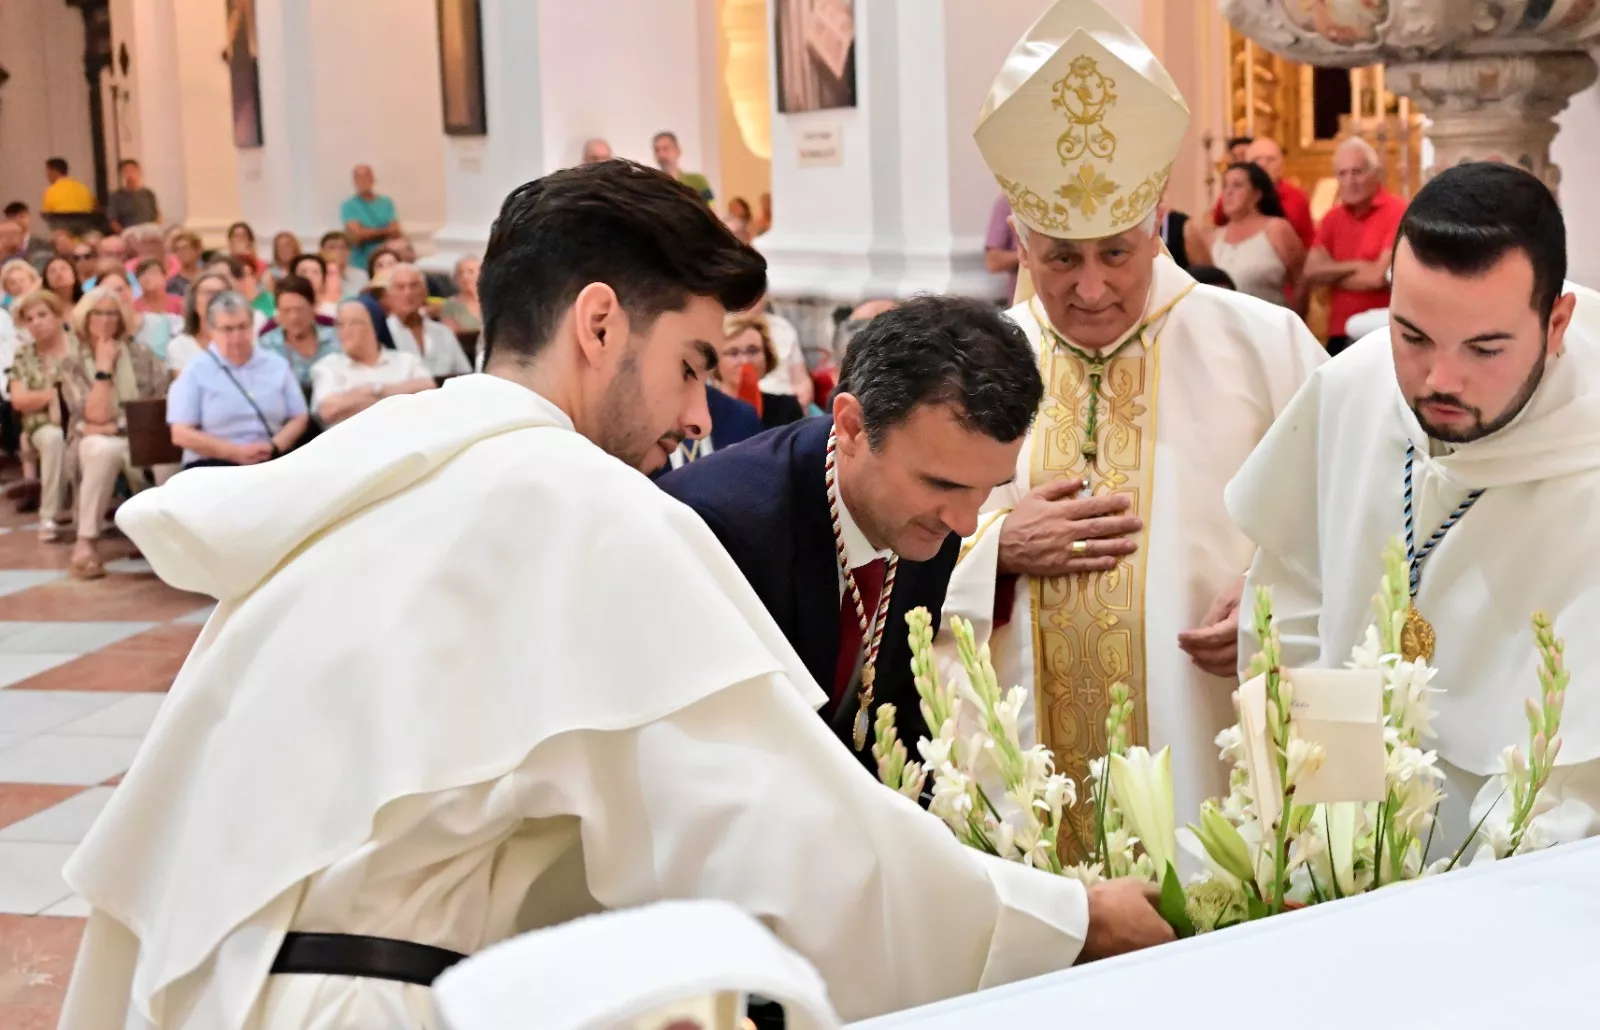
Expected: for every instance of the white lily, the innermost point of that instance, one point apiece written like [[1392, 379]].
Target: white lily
[[1142, 785]]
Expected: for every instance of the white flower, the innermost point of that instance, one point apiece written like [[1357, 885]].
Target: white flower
[[1097, 769], [1409, 693], [1038, 763], [1006, 711], [935, 753], [1084, 873], [1005, 841], [1059, 794], [1305, 847], [1305, 758], [1415, 782], [1513, 765], [1231, 743], [1369, 653], [1142, 785], [952, 797]]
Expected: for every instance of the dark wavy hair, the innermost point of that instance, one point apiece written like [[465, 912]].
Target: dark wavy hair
[[1270, 203], [649, 237], [943, 350]]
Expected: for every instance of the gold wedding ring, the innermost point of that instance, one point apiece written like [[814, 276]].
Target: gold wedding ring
[[1079, 547]]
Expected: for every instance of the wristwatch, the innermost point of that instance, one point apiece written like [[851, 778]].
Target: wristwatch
[[104, 377]]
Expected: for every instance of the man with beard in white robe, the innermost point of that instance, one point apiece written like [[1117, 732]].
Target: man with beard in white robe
[[1111, 558], [445, 698], [1486, 386]]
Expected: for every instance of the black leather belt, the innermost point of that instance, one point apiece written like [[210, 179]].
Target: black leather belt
[[375, 958]]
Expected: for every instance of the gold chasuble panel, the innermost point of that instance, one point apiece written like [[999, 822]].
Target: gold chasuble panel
[[1098, 423]]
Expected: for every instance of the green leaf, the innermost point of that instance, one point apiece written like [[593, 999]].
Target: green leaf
[[1255, 908], [1174, 906]]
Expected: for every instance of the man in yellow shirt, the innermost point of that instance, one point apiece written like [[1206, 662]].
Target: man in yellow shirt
[[65, 195]]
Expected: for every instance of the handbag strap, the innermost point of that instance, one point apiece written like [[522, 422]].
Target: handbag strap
[[242, 392]]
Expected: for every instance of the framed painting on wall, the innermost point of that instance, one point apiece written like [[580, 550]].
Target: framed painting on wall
[[461, 68], [244, 76], [816, 54]]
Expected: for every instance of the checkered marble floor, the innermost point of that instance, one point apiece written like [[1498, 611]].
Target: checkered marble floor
[[84, 667]]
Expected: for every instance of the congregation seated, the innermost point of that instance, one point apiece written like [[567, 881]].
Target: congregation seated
[[35, 380], [106, 369], [295, 335], [406, 298], [236, 403], [363, 372], [17, 279], [155, 330], [747, 343]]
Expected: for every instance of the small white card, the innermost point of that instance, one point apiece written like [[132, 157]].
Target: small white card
[[1341, 710]]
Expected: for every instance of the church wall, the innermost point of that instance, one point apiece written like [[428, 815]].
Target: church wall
[[1577, 151], [44, 108], [210, 162], [744, 98], [626, 105], [379, 105]]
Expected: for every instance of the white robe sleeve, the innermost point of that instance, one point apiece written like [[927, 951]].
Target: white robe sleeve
[[747, 798], [974, 584]]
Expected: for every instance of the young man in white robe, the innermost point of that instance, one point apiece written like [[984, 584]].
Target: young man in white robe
[[1111, 558], [1486, 379], [445, 696]]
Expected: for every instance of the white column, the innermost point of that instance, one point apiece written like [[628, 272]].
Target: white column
[[154, 130], [557, 72], [903, 206], [278, 181]]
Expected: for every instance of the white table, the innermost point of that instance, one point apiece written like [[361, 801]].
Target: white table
[[1514, 944]]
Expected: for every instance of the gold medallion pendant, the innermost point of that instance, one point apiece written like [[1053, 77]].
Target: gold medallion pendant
[[859, 730], [1416, 637]]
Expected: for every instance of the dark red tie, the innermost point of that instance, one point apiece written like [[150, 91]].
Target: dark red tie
[[869, 580]]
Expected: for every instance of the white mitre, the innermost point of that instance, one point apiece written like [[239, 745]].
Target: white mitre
[[1082, 125]]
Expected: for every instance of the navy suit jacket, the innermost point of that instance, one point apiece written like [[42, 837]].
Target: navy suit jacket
[[767, 501], [732, 420]]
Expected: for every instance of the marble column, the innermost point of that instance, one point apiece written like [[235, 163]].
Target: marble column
[[279, 180], [891, 197], [1495, 108]]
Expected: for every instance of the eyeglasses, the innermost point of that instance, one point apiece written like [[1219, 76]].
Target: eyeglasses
[[113, 313], [82, 255], [752, 351]]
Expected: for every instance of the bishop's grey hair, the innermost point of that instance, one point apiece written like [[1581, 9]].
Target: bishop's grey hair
[[227, 302]]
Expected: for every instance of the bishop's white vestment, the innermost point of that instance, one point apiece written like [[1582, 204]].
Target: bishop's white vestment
[[1179, 404], [446, 697], [1324, 495]]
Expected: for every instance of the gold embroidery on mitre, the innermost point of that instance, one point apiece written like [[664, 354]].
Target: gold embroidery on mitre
[[1035, 210], [1088, 191], [1126, 210], [1085, 94]]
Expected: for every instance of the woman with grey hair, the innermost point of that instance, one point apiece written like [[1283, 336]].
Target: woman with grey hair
[[235, 404]]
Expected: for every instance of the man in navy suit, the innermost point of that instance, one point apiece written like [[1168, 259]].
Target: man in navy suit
[[934, 399]]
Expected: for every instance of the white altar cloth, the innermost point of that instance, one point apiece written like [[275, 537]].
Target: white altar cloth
[[1514, 943]]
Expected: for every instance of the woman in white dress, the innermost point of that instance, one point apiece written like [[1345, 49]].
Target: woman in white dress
[[1257, 247]]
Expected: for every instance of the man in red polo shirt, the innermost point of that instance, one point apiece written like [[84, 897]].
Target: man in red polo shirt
[[1355, 242]]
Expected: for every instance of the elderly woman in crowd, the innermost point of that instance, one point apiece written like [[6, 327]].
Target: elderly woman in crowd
[[35, 376], [235, 404], [748, 344], [17, 280], [107, 369], [153, 329], [297, 338], [193, 340], [407, 299], [462, 312], [363, 373], [61, 278]]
